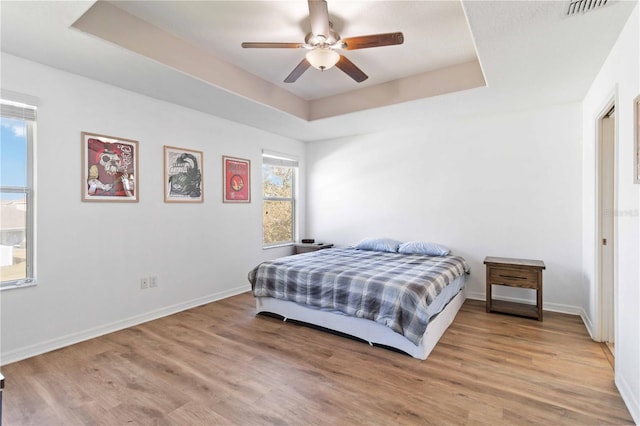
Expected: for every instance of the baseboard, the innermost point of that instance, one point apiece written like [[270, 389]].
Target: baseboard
[[548, 306], [632, 401], [70, 339], [588, 324]]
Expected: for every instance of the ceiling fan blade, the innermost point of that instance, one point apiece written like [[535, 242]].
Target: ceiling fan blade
[[351, 69], [251, 44], [297, 71], [319, 17], [374, 40]]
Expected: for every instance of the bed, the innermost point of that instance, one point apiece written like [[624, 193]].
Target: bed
[[403, 301]]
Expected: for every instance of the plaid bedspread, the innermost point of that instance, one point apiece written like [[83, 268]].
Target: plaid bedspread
[[390, 288]]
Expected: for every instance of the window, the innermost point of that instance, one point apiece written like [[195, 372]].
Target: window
[[16, 193], [279, 175]]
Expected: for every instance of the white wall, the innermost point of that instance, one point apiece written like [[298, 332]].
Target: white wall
[[90, 256], [505, 185], [618, 78]]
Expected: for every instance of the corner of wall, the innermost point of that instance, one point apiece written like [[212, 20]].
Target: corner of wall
[[626, 392], [588, 323]]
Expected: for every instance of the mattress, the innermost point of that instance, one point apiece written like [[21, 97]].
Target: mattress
[[401, 292]]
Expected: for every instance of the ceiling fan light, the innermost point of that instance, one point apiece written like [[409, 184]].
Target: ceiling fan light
[[322, 58]]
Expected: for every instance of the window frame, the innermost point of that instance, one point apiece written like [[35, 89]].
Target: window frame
[[281, 160], [30, 123]]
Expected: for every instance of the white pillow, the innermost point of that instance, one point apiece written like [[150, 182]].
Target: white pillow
[[421, 247]]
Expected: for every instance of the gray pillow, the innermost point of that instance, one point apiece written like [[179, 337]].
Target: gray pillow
[[379, 244], [421, 247]]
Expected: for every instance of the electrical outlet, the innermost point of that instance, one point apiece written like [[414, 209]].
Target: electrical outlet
[[144, 283], [153, 281]]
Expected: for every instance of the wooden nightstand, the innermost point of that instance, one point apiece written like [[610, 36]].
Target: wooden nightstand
[[520, 273], [306, 248]]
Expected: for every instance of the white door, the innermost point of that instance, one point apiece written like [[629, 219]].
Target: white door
[[606, 189]]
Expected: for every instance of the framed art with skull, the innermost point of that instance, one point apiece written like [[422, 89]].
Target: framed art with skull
[[183, 181], [109, 168], [236, 176]]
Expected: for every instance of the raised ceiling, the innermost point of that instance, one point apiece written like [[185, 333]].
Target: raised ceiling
[[203, 39], [458, 58], [436, 36]]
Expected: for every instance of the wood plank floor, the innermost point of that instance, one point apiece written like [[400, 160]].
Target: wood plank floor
[[222, 364]]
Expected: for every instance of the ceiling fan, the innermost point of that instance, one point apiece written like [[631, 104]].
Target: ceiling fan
[[322, 43]]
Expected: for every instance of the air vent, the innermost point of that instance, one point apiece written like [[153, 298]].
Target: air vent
[[577, 7]]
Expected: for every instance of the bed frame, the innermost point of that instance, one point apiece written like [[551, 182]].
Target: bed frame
[[367, 330]]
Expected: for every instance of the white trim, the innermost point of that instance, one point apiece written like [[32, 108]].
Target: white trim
[[30, 204], [277, 245], [552, 307], [626, 392], [91, 333], [13, 285], [22, 98], [547, 306], [588, 323], [290, 159]]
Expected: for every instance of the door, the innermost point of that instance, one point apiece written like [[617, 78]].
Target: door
[[606, 243]]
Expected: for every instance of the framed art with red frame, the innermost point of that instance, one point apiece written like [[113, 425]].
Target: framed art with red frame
[[236, 175]]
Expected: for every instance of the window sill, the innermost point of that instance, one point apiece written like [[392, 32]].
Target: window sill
[[289, 244], [16, 285]]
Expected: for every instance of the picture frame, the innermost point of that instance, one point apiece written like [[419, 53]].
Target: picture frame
[[236, 178], [183, 179], [636, 138], [109, 168]]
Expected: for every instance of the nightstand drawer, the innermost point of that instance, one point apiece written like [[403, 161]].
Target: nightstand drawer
[[525, 278]]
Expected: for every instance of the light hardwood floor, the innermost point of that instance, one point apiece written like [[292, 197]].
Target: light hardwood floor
[[222, 364]]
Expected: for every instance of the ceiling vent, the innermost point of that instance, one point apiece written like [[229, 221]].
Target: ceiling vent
[[579, 7]]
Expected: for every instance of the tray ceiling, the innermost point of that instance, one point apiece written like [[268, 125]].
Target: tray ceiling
[[458, 59]]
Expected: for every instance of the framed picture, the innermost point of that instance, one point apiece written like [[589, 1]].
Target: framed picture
[[183, 181], [109, 168], [636, 135], [236, 178]]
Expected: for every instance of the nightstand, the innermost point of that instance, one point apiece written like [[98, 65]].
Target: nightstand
[[306, 248], [522, 273]]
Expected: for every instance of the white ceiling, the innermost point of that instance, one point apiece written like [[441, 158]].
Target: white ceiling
[[436, 36], [530, 55]]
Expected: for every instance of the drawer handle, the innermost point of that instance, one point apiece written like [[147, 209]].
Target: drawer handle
[[513, 277]]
